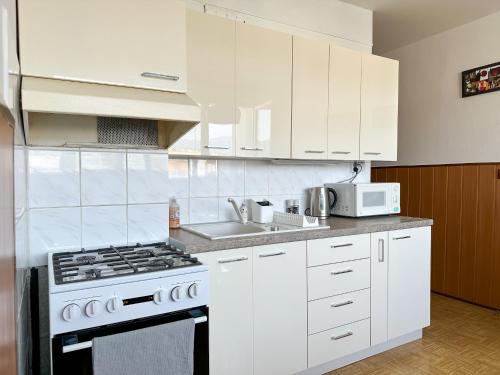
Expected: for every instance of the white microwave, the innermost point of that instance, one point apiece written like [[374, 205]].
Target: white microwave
[[369, 199]]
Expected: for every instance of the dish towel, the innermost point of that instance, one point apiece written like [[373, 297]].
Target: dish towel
[[160, 350]]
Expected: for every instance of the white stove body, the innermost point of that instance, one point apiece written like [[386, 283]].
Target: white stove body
[[93, 303]]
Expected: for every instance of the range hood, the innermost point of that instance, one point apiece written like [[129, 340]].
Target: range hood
[[69, 113]]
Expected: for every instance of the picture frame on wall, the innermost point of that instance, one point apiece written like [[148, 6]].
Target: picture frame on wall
[[481, 80]]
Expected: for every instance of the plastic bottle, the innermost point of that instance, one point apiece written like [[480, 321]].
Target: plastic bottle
[[174, 215]]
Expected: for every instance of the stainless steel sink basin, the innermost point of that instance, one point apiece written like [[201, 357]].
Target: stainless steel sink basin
[[233, 229]]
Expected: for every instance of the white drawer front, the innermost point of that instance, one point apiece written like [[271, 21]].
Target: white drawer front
[[337, 311], [339, 278], [337, 249], [338, 342]]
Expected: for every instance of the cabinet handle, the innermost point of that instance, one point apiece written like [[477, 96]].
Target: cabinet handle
[[401, 238], [252, 149], [342, 304], [231, 260], [265, 255], [218, 147], [168, 77], [347, 334], [314, 152], [341, 152], [342, 272], [381, 250], [343, 245], [372, 153]]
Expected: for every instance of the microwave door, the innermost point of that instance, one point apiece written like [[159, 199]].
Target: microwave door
[[371, 200]]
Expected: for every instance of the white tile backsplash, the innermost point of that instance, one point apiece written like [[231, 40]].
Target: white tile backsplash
[[104, 226], [231, 177], [103, 178], [147, 178], [147, 223], [94, 198], [20, 182], [202, 178], [203, 210], [53, 229], [54, 178]]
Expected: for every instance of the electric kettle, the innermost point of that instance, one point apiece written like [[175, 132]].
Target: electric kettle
[[322, 201]]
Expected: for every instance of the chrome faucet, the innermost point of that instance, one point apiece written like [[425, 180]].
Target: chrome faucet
[[242, 212]]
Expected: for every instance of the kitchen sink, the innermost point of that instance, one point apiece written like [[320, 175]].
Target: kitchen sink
[[234, 229]]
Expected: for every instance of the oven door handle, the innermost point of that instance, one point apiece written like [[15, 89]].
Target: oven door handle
[[88, 344]]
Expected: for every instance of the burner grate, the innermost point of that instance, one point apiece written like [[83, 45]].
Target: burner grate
[[86, 265]]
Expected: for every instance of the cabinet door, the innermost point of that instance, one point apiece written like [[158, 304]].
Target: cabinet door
[[210, 70], [310, 98], [263, 92], [379, 265], [409, 281], [231, 311], [280, 309], [379, 108], [114, 42], [344, 104], [4, 55]]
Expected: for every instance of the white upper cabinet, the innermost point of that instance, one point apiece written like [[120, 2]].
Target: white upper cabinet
[[263, 92], [409, 281], [231, 311], [114, 42], [310, 98], [210, 69], [344, 104], [379, 108], [280, 309]]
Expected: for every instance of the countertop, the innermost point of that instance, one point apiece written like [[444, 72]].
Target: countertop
[[339, 226]]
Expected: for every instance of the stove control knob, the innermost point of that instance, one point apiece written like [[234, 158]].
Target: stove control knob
[[176, 294], [114, 304], [92, 308], [159, 297], [71, 312], [193, 290]]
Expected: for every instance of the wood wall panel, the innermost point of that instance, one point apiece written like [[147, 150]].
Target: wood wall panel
[[464, 201]]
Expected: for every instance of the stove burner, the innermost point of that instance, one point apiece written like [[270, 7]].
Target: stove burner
[[86, 259], [92, 273], [70, 267], [159, 264]]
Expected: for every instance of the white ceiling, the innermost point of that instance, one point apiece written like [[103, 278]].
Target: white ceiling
[[397, 23]]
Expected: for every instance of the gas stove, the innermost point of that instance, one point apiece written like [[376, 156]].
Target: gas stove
[[92, 288]]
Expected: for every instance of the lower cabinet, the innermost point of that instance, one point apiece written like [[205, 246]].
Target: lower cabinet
[[379, 268], [258, 309], [280, 308], [409, 281], [231, 311]]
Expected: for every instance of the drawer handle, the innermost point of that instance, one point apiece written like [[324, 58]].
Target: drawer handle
[[341, 152], [160, 76], [272, 254], [218, 147], [340, 304], [343, 245], [252, 149], [342, 272], [372, 153], [401, 238], [347, 334], [231, 260], [314, 152], [381, 250]]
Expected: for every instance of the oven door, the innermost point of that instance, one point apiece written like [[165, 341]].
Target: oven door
[[72, 352], [373, 199]]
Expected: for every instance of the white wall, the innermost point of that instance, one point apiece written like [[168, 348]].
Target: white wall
[[436, 125], [349, 25]]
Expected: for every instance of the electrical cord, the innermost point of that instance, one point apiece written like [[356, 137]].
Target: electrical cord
[[356, 170]]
